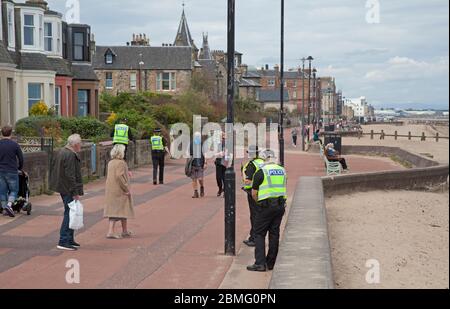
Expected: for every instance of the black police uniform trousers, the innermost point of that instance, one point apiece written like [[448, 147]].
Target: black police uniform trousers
[[220, 175], [158, 162], [252, 204], [269, 216]]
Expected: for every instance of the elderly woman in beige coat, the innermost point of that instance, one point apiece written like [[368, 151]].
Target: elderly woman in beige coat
[[119, 204]]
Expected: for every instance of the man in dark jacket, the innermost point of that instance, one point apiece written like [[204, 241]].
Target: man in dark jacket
[[11, 161], [67, 180]]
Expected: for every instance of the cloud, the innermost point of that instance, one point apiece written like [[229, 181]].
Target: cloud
[[408, 50], [404, 69]]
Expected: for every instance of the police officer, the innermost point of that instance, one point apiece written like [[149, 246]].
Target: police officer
[[248, 171], [159, 147], [270, 192], [122, 135]]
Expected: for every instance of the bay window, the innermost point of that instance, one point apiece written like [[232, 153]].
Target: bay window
[[34, 94], [28, 30], [48, 37]]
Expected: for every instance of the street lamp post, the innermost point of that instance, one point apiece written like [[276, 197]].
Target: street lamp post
[[230, 175], [303, 103], [281, 120], [314, 100], [310, 59]]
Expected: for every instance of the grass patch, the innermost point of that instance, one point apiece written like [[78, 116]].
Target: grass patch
[[400, 161]]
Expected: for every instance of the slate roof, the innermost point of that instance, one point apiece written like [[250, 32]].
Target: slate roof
[[248, 83], [271, 95], [83, 72], [273, 73], [154, 58], [61, 66], [31, 61], [5, 57]]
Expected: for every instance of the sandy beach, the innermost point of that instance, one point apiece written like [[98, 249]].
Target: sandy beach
[[438, 150], [407, 233]]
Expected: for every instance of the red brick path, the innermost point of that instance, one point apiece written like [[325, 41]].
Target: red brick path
[[178, 244]]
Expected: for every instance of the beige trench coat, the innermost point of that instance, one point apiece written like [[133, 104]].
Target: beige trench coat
[[118, 205]]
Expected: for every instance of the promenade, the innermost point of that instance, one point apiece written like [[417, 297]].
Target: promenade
[[178, 242]]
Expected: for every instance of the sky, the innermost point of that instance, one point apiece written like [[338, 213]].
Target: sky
[[397, 58]]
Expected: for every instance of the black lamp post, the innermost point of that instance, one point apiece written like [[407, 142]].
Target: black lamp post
[[281, 120], [314, 103], [303, 103], [230, 175], [310, 59]]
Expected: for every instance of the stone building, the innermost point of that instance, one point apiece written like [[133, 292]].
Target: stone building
[[165, 69]]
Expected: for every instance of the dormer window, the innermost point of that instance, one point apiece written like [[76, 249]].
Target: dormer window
[[109, 58]]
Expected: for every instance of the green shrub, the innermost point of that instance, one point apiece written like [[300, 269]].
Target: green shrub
[[170, 114], [87, 127], [36, 126]]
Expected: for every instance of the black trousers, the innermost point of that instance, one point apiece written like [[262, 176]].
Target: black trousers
[[268, 219], [294, 140], [158, 162], [342, 161], [253, 211], [220, 176]]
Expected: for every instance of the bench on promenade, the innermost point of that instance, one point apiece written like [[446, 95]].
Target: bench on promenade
[[333, 168], [304, 259]]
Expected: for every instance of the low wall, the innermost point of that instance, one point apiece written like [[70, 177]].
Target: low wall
[[304, 259], [36, 165], [413, 179], [414, 159]]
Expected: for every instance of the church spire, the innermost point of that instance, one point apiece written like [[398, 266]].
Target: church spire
[[184, 37], [205, 52]]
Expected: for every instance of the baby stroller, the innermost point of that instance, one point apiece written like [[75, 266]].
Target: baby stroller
[[23, 200]]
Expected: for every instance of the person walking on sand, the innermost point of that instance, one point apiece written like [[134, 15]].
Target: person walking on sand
[[66, 179], [119, 204]]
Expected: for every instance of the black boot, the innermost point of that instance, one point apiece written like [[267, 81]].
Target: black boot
[[202, 191], [195, 194]]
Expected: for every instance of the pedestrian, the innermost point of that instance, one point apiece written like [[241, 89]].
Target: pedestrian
[[270, 192], [294, 134], [122, 135], [199, 165], [249, 170], [221, 166], [67, 181], [334, 156], [11, 161], [159, 148], [316, 138], [119, 203]]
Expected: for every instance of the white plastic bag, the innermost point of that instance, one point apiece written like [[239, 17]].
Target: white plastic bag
[[76, 215]]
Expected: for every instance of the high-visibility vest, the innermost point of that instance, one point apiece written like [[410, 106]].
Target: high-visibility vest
[[157, 143], [121, 134], [258, 163], [274, 184]]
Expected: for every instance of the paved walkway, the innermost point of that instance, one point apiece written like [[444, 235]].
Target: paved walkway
[[179, 241]]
